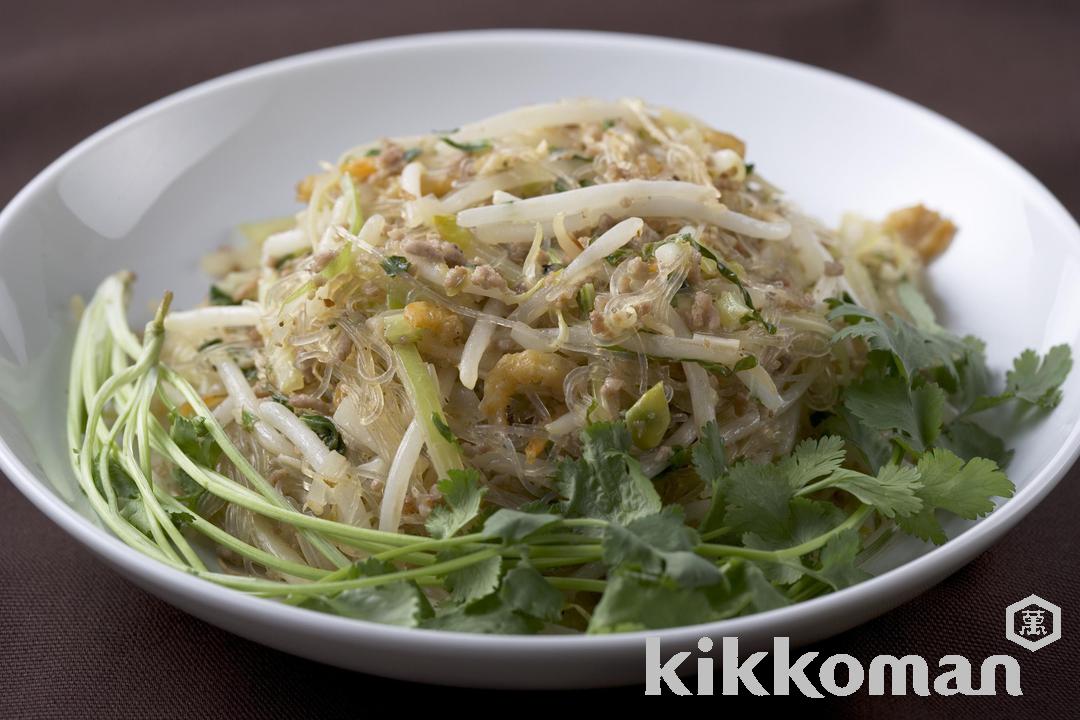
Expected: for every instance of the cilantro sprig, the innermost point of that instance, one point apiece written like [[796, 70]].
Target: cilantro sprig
[[599, 550]]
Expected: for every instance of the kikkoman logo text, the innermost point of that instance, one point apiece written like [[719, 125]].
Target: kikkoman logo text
[[886, 674]]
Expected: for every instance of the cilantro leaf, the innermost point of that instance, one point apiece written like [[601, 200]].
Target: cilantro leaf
[[892, 492], [513, 526], [918, 309], [1033, 380], [606, 482], [1038, 380], [950, 484], [812, 459], [395, 265], [128, 499], [889, 404], [631, 602], [472, 581], [443, 429], [122, 484], [658, 545], [181, 519], [838, 561], [710, 458], [974, 379], [526, 591], [868, 442], [964, 489], [914, 349], [467, 147], [635, 600], [969, 440], [325, 428], [462, 494], [807, 520], [759, 498], [747, 590], [220, 297], [397, 603], [194, 440], [710, 463], [489, 615]]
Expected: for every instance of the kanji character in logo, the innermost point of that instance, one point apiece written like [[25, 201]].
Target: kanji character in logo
[[1032, 620]]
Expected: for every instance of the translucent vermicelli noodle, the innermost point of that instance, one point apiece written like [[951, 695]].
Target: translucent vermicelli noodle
[[518, 376]]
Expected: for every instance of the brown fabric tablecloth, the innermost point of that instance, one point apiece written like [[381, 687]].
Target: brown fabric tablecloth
[[76, 640]]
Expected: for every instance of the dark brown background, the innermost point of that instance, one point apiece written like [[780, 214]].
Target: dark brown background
[[75, 640]]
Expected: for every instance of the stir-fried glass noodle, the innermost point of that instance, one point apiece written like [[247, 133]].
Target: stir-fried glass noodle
[[575, 366]]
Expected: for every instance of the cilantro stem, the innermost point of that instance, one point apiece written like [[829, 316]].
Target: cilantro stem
[[584, 522], [241, 462], [579, 546], [562, 551], [271, 588], [213, 532], [585, 584], [853, 521], [814, 487], [718, 532], [552, 562], [565, 538], [426, 545]]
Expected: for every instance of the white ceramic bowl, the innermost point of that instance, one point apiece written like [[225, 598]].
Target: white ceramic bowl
[[157, 189]]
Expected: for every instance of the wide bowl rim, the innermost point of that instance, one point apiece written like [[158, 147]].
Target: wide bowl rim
[[924, 569]]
